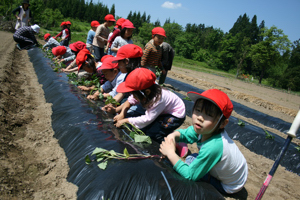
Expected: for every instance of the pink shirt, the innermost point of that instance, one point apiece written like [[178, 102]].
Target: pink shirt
[[169, 103]]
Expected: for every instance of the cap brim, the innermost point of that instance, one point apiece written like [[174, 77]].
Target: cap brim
[[122, 88], [116, 59], [194, 96]]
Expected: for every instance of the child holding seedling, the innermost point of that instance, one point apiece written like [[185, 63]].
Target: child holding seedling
[[219, 161], [101, 36], [165, 111], [61, 52], [64, 34], [128, 58], [50, 42], [71, 60], [153, 52], [124, 38]]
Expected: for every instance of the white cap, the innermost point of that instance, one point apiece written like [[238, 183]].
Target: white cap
[[36, 28]]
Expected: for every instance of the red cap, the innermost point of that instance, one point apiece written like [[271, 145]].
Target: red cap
[[159, 31], [81, 57], [77, 46], [63, 23], [127, 24], [128, 51], [106, 56], [108, 64], [46, 36], [109, 17], [218, 97], [68, 23], [120, 22], [95, 24], [59, 50], [138, 79]]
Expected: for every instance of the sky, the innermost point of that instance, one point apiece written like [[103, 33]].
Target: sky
[[284, 14]]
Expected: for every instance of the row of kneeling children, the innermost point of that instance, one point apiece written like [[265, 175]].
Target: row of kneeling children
[[130, 79]]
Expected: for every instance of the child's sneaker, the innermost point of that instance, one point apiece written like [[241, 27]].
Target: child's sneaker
[[182, 149]]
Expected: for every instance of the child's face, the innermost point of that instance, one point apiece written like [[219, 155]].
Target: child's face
[[158, 40], [122, 65], [203, 123], [128, 32], [87, 69], [94, 29], [110, 23], [110, 75]]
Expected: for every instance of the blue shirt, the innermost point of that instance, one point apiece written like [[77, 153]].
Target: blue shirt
[[90, 37]]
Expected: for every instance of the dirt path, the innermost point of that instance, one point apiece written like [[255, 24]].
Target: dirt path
[[35, 167]]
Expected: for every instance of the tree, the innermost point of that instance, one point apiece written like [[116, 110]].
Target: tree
[[145, 32], [157, 23], [266, 53], [173, 30]]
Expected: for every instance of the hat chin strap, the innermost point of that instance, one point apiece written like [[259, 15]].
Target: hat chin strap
[[216, 124]]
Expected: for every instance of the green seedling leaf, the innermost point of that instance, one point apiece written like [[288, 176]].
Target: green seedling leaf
[[240, 123], [131, 134], [102, 165], [142, 138], [126, 154], [100, 159], [98, 150], [87, 160], [113, 153], [268, 135], [298, 148], [56, 69], [101, 96], [187, 98]]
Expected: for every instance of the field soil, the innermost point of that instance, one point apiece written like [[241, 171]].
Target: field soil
[[34, 166]]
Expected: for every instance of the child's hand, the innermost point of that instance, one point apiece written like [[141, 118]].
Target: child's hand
[[119, 123], [81, 87], [118, 117], [93, 97], [109, 108], [167, 147]]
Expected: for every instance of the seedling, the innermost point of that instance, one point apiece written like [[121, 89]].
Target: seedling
[[268, 135], [298, 148], [111, 100], [187, 98], [137, 134], [103, 155], [240, 123]]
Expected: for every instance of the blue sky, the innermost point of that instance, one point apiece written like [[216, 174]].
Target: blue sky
[[285, 15]]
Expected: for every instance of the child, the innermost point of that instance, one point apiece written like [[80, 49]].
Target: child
[[91, 34], [165, 111], [128, 58], [24, 14], [152, 51], [101, 36], [75, 48], [219, 161], [24, 37], [64, 34], [124, 38], [112, 36], [61, 52], [50, 42], [68, 23]]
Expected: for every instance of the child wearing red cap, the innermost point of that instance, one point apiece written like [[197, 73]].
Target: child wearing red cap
[[91, 35], [165, 111], [101, 36], [112, 36], [219, 161], [50, 42], [113, 76], [68, 23], [124, 38], [61, 52], [64, 34], [75, 48], [153, 52]]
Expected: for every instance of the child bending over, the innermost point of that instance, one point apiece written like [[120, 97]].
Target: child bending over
[[50, 42], [165, 111], [219, 161]]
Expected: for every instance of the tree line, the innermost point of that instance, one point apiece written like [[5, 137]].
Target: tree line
[[248, 48]]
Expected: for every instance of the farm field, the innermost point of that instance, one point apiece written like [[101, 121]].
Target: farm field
[[35, 167]]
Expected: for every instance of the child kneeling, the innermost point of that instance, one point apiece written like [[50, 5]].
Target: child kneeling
[[219, 161], [165, 111]]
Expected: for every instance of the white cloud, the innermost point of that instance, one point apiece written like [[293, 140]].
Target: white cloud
[[171, 5]]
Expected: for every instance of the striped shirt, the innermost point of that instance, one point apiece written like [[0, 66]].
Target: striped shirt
[[151, 55]]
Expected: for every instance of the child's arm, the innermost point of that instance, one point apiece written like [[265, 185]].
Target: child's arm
[[123, 110], [119, 97], [145, 56], [85, 88]]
